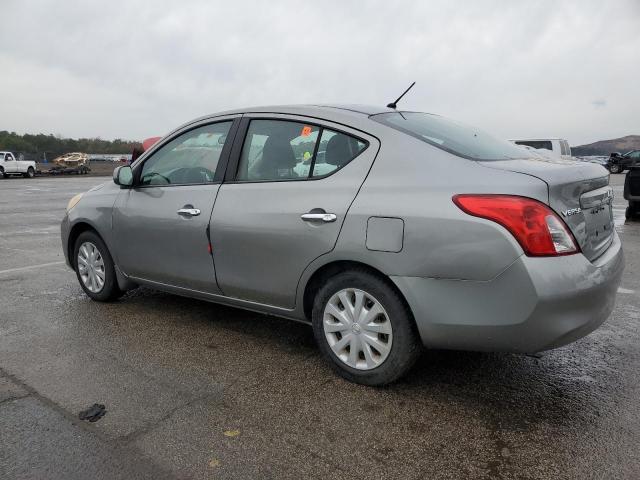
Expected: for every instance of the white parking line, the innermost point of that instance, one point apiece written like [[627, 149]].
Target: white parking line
[[16, 249], [30, 267], [625, 290]]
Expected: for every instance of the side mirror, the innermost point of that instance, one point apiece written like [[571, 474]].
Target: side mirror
[[123, 176]]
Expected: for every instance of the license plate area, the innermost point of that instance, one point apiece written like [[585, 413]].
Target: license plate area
[[599, 220], [597, 209]]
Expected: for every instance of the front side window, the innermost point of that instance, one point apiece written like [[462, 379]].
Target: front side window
[[191, 158], [453, 137], [288, 150]]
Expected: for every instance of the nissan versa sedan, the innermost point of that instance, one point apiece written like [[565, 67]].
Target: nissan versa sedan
[[385, 230]]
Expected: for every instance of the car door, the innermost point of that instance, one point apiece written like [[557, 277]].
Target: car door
[[276, 212], [161, 223], [633, 159], [10, 163]]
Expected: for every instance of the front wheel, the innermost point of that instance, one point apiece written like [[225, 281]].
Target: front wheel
[[94, 268], [364, 329], [615, 169], [2, 174]]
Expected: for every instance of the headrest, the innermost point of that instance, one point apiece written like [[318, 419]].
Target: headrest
[[277, 153], [338, 151]]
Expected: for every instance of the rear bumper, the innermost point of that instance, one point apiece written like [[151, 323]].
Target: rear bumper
[[535, 304]]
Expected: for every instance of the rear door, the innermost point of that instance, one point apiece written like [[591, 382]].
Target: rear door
[[161, 225], [277, 211]]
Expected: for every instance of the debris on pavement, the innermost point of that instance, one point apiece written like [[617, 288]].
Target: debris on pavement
[[93, 413]]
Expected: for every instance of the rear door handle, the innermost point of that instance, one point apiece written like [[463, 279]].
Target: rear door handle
[[319, 217], [189, 212]]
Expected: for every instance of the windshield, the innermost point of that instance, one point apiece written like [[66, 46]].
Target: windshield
[[453, 137]]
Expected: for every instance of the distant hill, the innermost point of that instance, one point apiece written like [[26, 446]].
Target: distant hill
[[605, 147]]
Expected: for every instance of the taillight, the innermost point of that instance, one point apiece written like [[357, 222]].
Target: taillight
[[540, 232]]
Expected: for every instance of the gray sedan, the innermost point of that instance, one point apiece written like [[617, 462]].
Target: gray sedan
[[385, 230]]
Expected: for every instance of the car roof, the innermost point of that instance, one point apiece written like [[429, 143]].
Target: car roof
[[356, 116], [354, 109]]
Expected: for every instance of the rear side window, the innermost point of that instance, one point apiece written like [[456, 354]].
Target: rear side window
[[539, 144], [288, 150], [335, 151], [450, 136]]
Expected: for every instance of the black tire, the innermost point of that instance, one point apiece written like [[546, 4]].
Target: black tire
[[30, 173], [405, 346], [2, 175], [615, 169], [110, 290]]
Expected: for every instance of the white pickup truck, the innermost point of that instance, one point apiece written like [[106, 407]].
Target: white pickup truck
[[9, 165]]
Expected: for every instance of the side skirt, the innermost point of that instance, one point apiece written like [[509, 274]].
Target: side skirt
[[221, 299]]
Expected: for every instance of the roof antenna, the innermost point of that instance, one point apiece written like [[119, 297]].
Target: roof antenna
[[395, 104]]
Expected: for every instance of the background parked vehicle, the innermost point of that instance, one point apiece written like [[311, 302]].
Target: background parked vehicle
[[10, 165], [556, 147], [618, 163], [75, 163]]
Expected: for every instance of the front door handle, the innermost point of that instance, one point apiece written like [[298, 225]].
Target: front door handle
[[319, 217], [189, 212]]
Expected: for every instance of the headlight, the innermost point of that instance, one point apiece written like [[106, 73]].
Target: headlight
[[72, 203]]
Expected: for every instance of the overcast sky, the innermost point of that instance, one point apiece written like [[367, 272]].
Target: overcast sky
[[134, 69]]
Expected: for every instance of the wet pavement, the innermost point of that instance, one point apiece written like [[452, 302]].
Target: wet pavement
[[196, 390]]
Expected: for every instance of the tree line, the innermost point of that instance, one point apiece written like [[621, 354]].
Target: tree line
[[51, 145]]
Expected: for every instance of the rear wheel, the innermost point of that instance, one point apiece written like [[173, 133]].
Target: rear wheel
[[30, 173], [2, 175], [364, 329], [94, 268]]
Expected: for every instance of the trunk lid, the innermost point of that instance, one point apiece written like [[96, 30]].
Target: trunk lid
[[579, 193]]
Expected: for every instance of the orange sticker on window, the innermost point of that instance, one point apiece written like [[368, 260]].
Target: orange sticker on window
[[306, 131]]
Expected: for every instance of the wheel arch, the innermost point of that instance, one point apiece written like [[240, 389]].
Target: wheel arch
[[323, 272], [74, 233], [83, 226]]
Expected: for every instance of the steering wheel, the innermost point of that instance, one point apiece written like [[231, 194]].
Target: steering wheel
[[205, 174], [192, 175], [146, 180]]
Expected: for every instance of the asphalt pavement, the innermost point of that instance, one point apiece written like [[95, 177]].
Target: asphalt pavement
[[196, 390]]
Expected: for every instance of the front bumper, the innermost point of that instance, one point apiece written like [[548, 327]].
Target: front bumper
[[535, 304], [65, 229]]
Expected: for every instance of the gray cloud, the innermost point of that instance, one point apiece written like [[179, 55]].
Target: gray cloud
[[134, 69]]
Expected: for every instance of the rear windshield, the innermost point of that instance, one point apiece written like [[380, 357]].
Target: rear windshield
[[539, 144], [453, 137]]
